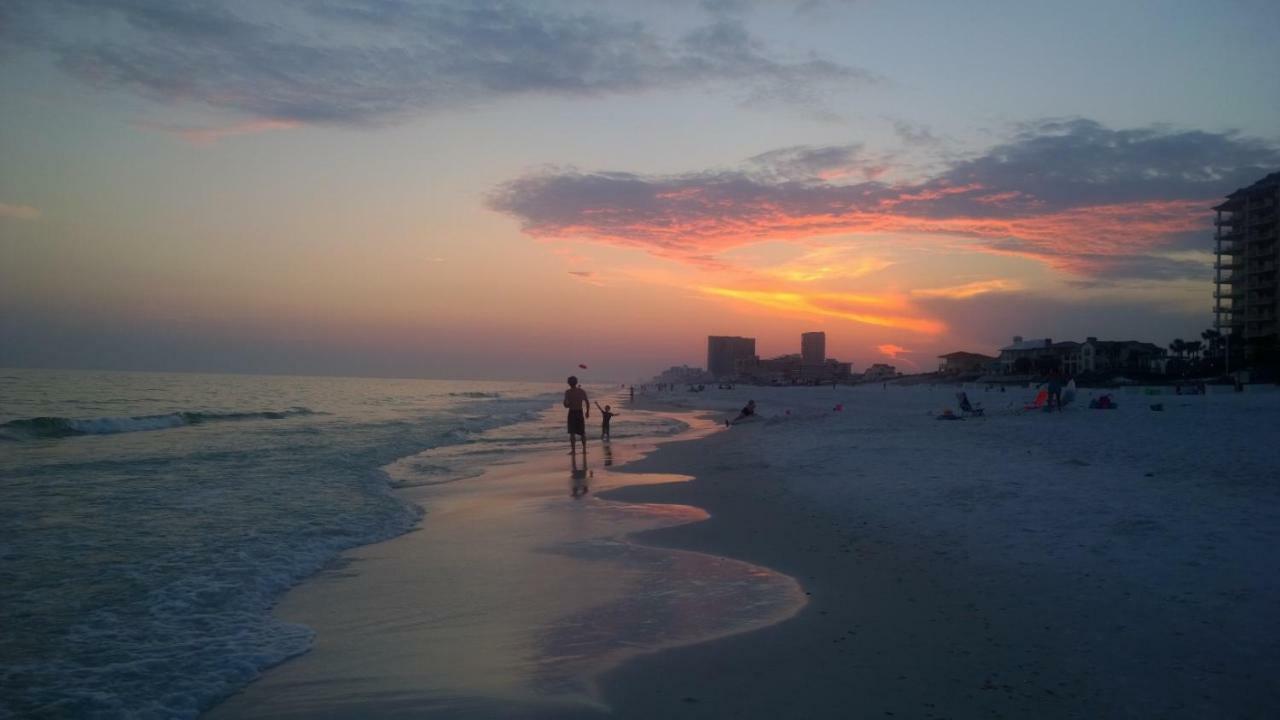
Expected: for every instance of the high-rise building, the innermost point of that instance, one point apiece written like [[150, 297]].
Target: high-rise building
[[813, 348], [1245, 282], [724, 352]]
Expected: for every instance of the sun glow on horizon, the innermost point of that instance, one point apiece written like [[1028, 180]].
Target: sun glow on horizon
[[863, 309]]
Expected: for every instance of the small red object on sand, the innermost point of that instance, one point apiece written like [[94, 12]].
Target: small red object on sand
[[584, 367], [839, 407]]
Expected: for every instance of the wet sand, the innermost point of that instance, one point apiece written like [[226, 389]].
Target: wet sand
[[510, 600]]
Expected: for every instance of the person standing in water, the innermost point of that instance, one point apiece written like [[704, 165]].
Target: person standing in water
[[607, 412], [575, 398]]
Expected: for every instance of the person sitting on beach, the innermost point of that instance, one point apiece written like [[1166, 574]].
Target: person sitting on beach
[[608, 414], [575, 398], [749, 411]]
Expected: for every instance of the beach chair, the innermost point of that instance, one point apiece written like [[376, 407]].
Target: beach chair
[[966, 408]]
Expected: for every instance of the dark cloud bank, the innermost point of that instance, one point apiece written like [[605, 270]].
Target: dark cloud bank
[[373, 61], [1085, 198]]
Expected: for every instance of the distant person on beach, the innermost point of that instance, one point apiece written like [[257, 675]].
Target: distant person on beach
[[749, 411], [608, 414], [1055, 390], [633, 393], [575, 398]]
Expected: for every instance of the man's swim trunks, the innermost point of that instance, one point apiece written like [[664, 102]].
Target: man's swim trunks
[[577, 423]]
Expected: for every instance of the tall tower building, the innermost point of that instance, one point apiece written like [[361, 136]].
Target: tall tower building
[[723, 353], [1245, 282], [813, 348]]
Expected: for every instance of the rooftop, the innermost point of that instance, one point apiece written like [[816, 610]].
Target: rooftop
[[1233, 199]]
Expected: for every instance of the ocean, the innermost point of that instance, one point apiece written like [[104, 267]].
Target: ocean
[[150, 521]]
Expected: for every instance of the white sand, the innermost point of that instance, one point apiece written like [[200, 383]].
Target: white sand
[[1083, 564]]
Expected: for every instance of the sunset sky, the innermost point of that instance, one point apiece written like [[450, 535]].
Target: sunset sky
[[505, 190]]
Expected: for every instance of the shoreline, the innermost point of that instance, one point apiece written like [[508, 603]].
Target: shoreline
[[397, 640]]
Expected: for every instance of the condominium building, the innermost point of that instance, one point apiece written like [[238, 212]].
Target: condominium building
[[813, 348], [1245, 282], [724, 353]]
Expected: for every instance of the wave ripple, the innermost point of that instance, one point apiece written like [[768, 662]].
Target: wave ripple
[[61, 427]]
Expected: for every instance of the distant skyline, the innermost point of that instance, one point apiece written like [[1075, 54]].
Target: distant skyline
[[499, 190]]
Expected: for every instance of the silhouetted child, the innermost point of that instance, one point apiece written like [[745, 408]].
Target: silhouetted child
[[608, 414]]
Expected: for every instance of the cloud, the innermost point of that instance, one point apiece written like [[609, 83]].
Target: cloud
[[19, 212], [828, 263], [587, 276], [914, 134], [210, 135], [1082, 198], [967, 290], [807, 162], [377, 61], [876, 310], [891, 350]]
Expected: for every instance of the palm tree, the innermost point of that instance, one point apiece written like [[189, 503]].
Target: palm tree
[[1193, 348], [1213, 339], [1178, 347]]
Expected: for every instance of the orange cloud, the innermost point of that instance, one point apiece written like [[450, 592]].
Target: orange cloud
[[829, 262], [891, 350], [968, 290], [1055, 238], [19, 212]]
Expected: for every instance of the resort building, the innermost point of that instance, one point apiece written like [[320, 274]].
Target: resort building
[[1102, 355], [963, 363], [879, 372], [1245, 282], [682, 374], [724, 354], [1024, 357]]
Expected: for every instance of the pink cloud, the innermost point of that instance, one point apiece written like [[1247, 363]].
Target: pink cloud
[[19, 212], [210, 135]]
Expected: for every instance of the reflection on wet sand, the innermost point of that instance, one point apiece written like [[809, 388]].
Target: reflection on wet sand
[[608, 453], [578, 476]]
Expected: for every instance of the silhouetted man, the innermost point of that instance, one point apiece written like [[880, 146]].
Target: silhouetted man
[[575, 398]]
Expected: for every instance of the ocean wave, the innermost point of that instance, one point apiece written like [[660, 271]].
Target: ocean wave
[[61, 427], [476, 395]]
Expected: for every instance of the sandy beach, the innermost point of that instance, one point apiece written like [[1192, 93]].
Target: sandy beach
[[1023, 564]]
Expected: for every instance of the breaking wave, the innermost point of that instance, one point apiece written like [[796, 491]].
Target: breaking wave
[[61, 427]]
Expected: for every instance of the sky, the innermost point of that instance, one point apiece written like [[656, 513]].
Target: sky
[[506, 190]]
